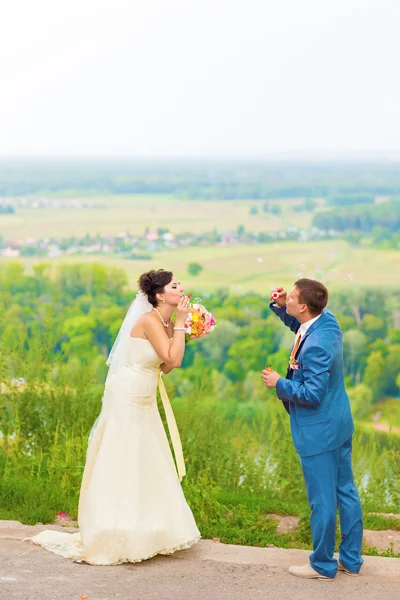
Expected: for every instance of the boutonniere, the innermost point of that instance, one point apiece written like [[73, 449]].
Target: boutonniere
[[293, 363]]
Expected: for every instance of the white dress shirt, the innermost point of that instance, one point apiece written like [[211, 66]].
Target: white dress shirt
[[305, 326]]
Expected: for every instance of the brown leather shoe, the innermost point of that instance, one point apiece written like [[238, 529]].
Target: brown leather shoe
[[344, 570], [307, 572]]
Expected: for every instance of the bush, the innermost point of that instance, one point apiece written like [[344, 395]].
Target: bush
[[194, 268]]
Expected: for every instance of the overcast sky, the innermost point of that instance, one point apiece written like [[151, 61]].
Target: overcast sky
[[199, 77]]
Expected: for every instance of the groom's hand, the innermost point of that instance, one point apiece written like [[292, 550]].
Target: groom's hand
[[279, 296], [270, 378]]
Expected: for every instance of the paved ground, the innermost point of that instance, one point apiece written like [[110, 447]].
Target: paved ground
[[208, 571]]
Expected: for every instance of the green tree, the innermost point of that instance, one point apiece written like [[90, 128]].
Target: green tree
[[194, 268], [361, 400], [398, 381], [374, 375], [354, 346], [373, 326], [345, 321], [276, 209], [394, 336], [79, 340], [216, 346], [392, 365], [353, 237]]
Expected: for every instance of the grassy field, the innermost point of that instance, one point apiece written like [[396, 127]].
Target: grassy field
[[239, 267], [134, 213], [390, 412]]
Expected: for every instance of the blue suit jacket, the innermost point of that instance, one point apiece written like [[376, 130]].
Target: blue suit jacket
[[314, 395]]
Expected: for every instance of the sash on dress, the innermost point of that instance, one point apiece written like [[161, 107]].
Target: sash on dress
[[169, 413], [173, 429]]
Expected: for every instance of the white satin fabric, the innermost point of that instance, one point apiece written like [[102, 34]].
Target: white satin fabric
[[131, 504]]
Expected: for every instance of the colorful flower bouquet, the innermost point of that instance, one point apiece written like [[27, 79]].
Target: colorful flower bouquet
[[199, 321]]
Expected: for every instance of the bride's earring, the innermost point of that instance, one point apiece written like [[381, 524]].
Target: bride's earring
[[163, 300]]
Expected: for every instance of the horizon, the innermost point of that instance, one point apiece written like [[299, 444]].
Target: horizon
[[296, 157]]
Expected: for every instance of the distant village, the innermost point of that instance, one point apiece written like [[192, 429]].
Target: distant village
[[141, 247], [127, 245]]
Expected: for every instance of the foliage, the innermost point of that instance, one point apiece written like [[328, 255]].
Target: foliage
[[375, 218], [55, 331], [194, 268]]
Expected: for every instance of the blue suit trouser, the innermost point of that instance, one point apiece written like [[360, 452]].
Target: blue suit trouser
[[330, 486]]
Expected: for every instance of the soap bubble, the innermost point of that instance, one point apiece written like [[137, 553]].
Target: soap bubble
[[259, 259], [298, 275], [198, 300], [321, 273], [350, 277], [303, 267]]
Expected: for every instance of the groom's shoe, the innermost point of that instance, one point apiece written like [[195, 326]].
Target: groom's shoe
[[352, 574], [307, 572]]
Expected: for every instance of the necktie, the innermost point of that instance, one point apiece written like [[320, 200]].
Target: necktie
[[296, 344]]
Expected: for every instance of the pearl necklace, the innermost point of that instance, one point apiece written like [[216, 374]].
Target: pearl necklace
[[161, 318]]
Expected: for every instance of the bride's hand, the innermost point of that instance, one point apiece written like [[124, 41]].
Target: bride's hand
[[182, 310], [282, 296]]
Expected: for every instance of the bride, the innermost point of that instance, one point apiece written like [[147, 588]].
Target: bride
[[131, 504]]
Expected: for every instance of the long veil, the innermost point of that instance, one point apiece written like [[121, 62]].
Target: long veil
[[117, 357]]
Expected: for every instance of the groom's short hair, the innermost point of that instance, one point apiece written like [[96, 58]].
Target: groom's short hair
[[313, 293]]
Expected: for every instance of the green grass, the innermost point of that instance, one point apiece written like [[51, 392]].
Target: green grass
[[238, 268], [32, 501], [134, 213], [390, 411], [267, 504], [379, 523], [228, 486]]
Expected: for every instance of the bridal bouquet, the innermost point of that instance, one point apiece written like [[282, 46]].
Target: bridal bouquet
[[199, 321]]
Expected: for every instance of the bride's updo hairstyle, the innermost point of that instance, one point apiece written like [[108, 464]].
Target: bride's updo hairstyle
[[153, 283]]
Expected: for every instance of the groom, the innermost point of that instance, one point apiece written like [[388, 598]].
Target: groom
[[314, 395]]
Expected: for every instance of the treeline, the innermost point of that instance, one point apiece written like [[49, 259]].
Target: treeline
[[69, 318], [362, 218], [350, 199], [356, 181]]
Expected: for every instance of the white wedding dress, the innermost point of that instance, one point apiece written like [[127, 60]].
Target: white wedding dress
[[131, 505]]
